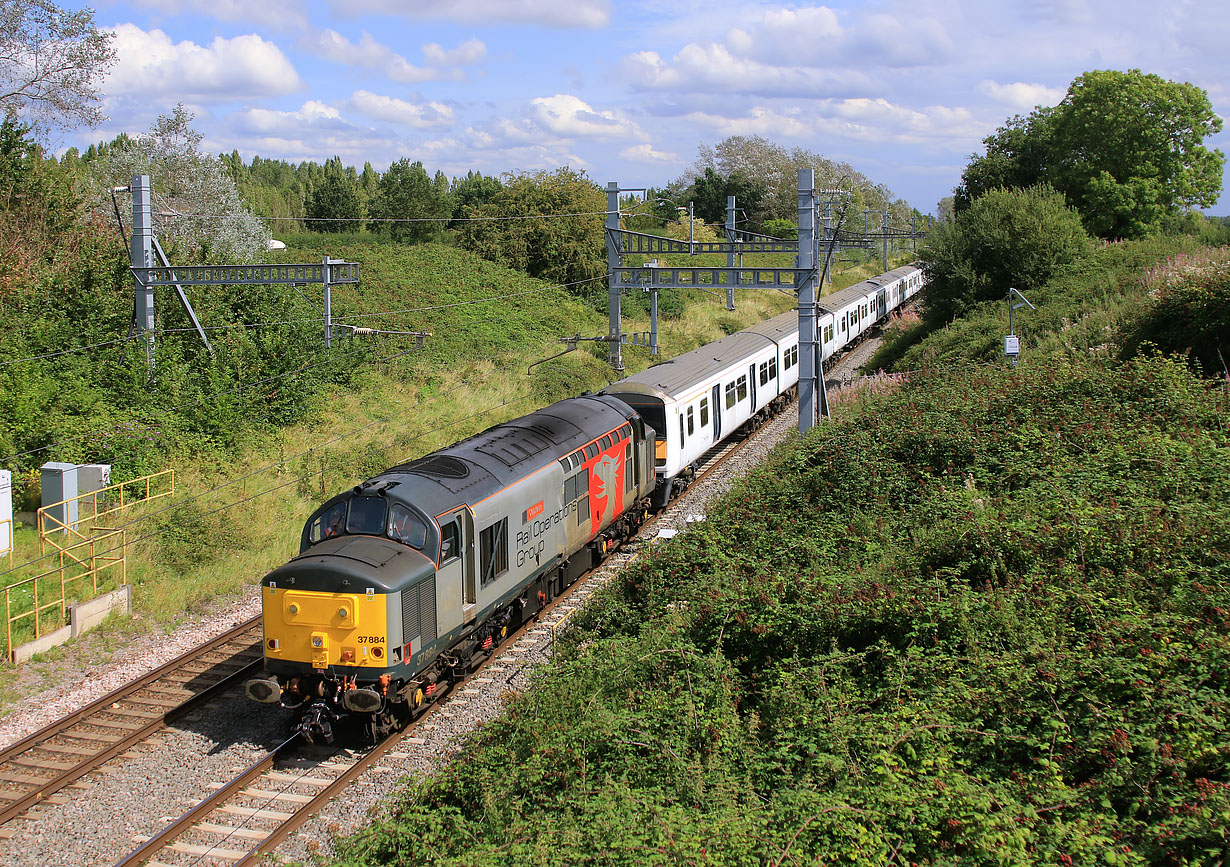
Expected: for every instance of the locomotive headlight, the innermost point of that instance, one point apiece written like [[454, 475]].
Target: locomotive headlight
[[318, 641], [342, 613], [293, 608]]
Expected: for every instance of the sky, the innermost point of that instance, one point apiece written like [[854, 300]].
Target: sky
[[628, 90]]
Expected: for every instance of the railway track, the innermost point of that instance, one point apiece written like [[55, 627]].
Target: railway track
[[34, 769]]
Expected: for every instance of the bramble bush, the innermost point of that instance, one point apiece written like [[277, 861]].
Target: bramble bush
[[982, 620]]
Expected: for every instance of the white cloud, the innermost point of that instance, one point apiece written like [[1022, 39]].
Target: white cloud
[[392, 110], [1020, 94], [787, 36], [559, 14], [149, 65], [367, 53], [274, 14], [570, 117], [645, 153], [313, 115], [713, 68]]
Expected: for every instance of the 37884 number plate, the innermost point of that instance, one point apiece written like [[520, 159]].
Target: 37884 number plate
[[371, 639]]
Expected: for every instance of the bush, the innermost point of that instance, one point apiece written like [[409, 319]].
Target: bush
[[1007, 238], [1189, 311]]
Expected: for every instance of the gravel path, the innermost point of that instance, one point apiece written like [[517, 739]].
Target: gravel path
[[137, 793]]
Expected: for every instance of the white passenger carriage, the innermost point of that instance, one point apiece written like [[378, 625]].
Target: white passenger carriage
[[698, 399]]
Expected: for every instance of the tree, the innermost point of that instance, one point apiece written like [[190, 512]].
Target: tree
[[197, 205], [1006, 238], [472, 191], [1124, 147], [710, 191], [335, 205], [1129, 150], [51, 63], [406, 193], [556, 231]]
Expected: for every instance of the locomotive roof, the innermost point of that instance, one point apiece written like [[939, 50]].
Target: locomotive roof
[[475, 468]]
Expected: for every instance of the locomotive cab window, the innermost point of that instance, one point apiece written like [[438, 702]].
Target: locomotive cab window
[[450, 541], [366, 516], [329, 524], [407, 527], [493, 551]]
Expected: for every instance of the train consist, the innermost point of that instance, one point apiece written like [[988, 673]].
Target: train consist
[[410, 579]]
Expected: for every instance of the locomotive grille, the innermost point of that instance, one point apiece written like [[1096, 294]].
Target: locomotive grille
[[410, 613], [427, 609]]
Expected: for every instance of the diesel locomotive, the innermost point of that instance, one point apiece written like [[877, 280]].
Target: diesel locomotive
[[410, 579]]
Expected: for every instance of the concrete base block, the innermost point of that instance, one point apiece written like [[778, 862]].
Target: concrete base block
[[81, 617], [86, 615], [27, 651]]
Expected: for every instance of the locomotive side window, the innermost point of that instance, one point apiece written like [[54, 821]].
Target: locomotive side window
[[366, 516], [331, 523], [407, 527], [493, 551], [450, 541], [704, 412]]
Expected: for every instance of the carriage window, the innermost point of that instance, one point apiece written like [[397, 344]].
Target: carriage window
[[450, 541], [742, 387], [764, 372], [493, 551], [407, 527], [773, 368], [691, 423], [730, 395], [681, 432], [366, 516], [331, 523], [704, 412]]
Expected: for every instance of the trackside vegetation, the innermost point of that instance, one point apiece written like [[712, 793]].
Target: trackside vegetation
[[981, 619]]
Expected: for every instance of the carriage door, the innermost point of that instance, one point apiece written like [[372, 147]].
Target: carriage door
[[455, 598], [717, 412], [751, 378]]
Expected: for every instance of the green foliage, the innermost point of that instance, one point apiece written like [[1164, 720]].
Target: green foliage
[[1188, 312], [787, 230], [405, 192], [1001, 640], [1130, 150], [334, 204], [547, 224], [472, 191], [1007, 238], [1126, 149], [709, 195]]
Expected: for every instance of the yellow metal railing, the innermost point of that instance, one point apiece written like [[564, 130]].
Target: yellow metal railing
[[102, 503], [93, 557]]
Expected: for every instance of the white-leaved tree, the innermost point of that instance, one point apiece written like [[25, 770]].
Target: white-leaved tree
[[51, 64], [197, 208]]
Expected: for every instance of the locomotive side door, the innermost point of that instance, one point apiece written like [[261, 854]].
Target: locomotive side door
[[455, 591]]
